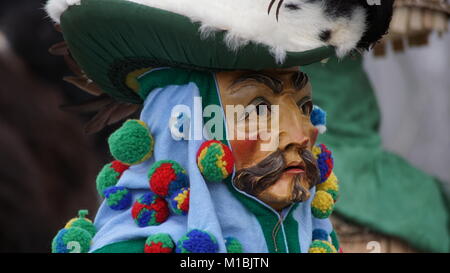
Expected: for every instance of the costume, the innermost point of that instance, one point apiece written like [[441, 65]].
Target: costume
[[171, 187]]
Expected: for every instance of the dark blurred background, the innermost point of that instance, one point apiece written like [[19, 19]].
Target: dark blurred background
[[48, 164]]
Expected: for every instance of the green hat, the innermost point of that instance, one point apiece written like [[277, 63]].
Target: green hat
[[114, 41]]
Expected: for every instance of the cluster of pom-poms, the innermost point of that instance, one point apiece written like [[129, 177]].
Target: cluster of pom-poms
[[327, 190], [117, 198], [324, 161], [76, 236], [159, 243], [167, 180], [150, 210], [132, 143], [197, 241], [215, 161]]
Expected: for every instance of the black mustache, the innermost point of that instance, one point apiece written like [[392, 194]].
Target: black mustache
[[258, 178]]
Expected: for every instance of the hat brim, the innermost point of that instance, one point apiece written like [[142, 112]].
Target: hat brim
[[111, 38]]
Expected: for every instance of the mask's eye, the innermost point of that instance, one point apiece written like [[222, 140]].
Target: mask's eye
[[259, 105], [305, 106]]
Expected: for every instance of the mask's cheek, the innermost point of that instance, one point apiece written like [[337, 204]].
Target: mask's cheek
[[245, 153], [315, 134]]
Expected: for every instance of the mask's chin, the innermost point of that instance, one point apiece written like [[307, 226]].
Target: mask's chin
[[281, 194]]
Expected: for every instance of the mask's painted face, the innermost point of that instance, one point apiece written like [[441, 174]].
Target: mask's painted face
[[275, 163]]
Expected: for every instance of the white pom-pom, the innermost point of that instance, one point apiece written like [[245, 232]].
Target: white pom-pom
[[322, 128]]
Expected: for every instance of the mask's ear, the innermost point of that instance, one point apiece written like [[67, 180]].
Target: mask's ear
[[379, 14], [319, 119]]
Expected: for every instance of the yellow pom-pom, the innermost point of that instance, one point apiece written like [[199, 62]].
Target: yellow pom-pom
[[320, 246], [331, 185], [322, 205]]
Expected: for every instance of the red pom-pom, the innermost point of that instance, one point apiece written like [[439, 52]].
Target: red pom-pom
[[166, 177], [119, 166]]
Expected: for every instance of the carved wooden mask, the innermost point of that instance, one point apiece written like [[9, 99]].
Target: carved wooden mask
[[273, 162]]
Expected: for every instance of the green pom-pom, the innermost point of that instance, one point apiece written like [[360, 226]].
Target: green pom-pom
[[132, 143], [82, 222], [215, 161], [71, 240], [233, 245], [109, 176]]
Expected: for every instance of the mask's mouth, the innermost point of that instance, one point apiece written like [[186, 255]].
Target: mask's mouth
[[295, 168]]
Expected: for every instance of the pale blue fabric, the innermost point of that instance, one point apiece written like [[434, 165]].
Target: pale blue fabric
[[213, 208]]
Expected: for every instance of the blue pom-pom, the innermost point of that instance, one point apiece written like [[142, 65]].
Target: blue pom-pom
[[71, 240], [59, 246], [320, 234], [197, 241], [118, 198], [318, 116]]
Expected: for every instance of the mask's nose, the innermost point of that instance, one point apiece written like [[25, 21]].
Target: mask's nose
[[295, 128]]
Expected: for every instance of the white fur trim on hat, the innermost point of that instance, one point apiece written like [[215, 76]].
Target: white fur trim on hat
[[302, 24]]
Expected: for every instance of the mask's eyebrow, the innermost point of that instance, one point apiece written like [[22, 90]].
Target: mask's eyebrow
[[299, 80], [273, 83]]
